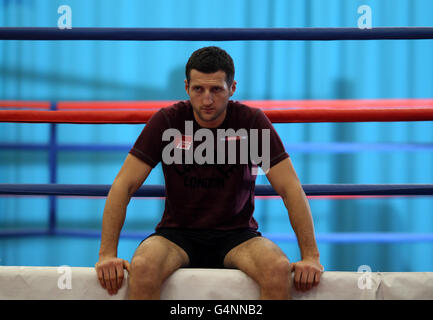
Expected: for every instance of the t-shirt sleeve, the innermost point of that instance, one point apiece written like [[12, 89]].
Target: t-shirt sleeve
[[148, 146], [277, 151]]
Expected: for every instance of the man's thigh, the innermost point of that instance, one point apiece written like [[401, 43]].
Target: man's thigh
[[253, 256], [161, 254]]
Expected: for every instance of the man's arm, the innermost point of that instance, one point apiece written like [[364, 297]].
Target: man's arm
[[130, 177], [285, 182]]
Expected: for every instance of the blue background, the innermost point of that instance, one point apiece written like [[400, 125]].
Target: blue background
[[104, 70]]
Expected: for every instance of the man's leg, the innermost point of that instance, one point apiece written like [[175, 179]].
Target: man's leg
[[263, 261], [154, 261]]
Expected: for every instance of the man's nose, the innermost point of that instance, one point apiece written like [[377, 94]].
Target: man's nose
[[207, 98]]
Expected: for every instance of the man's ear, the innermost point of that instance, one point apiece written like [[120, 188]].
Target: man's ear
[[233, 88], [186, 86]]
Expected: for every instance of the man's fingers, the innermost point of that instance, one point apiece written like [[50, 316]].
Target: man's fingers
[[119, 271], [101, 277], [296, 276], [111, 274], [113, 279], [126, 265], [107, 279], [317, 278], [303, 280], [306, 277], [297, 279], [310, 280]]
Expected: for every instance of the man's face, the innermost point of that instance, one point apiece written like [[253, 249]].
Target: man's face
[[209, 95]]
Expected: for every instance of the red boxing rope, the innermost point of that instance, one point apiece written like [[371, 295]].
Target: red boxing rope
[[263, 104], [136, 112], [275, 116], [21, 104], [113, 105]]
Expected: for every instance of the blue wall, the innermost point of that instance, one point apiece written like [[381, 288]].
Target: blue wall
[[104, 70]]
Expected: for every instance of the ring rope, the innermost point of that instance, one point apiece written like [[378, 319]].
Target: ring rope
[[246, 34], [260, 190], [263, 104], [304, 147], [216, 34], [276, 116], [332, 237]]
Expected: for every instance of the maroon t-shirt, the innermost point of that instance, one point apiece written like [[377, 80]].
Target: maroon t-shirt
[[210, 195]]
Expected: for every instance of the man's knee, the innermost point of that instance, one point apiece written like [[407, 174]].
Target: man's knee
[[276, 274], [142, 265], [155, 260], [143, 271]]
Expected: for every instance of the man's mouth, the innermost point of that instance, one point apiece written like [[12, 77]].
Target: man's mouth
[[208, 110]]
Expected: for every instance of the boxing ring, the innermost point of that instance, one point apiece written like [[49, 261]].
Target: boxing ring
[[21, 282]]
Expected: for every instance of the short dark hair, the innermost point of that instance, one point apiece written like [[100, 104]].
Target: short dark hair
[[209, 60]]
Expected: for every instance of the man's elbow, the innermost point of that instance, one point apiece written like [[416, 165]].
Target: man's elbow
[[120, 186], [293, 190]]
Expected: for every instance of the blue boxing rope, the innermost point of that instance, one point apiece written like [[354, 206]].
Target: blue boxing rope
[[260, 190], [216, 34], [358, 237], [331, 237], [263, 190], [304, 147]]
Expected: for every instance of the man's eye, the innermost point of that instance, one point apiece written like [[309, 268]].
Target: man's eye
[[216, 89]]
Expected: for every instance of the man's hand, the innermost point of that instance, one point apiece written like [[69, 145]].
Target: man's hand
[[307, 273], [110, 273]]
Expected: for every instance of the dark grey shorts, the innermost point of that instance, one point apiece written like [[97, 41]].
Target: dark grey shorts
[[206, 248]]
